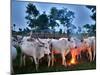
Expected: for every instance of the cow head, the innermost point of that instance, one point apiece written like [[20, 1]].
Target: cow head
[[44, 45]]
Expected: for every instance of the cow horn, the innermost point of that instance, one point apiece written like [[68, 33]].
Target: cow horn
[[40, 41]]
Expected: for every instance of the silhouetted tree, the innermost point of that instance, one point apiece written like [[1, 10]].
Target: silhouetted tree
[[60, 31], [14, 25], [93, 10], [91, 29], [32, 14], [53, 17], [20, 29], [66, 17], [42, 21]]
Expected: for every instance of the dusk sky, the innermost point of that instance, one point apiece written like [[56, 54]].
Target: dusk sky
[[82, 14]]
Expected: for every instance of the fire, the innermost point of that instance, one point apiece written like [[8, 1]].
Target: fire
[[73, 61], [74, 53]]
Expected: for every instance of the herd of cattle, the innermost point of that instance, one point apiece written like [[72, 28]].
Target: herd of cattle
[[36, 48]]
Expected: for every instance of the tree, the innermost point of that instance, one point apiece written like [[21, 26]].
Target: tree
[[87, 26], [66, 17], [91, 29], [14, 25], [60, 31], [32, 14], [26, 30], [53, 17], [13, 29], [37, 21], [42, 21], [20, 29], [93, 10]]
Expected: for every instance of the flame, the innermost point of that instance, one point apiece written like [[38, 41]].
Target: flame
[[74, 53], [73, 60]]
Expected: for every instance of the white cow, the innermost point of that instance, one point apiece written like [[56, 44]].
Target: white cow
[[89, 45], [72, 42], [93, 45], [14, 41], [13, 53], [35, 48], [13, 56], [60, 46]]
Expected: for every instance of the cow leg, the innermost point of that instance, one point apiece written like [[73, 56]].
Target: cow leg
[[24, 60], [80, 56], [90, 54], [63, 59], [77, 57], [48, 60], [31, 59], [12, 70], [21, 60], [36, 63], [65, 53], [52, 59], [94, 53]]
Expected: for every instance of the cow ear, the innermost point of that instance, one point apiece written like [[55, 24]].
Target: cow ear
[[40, 45], [49, 41], [68, 39], [81, 40], [33, 39], [30, 39]]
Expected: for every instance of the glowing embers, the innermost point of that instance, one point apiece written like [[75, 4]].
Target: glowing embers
[[71, 58], [72, 61], [74, 55]]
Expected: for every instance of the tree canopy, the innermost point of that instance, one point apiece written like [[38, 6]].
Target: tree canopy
[[38, 21], [91, 29], [48, 21]]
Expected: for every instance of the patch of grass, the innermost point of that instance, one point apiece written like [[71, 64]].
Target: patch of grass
[[30, 66]]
